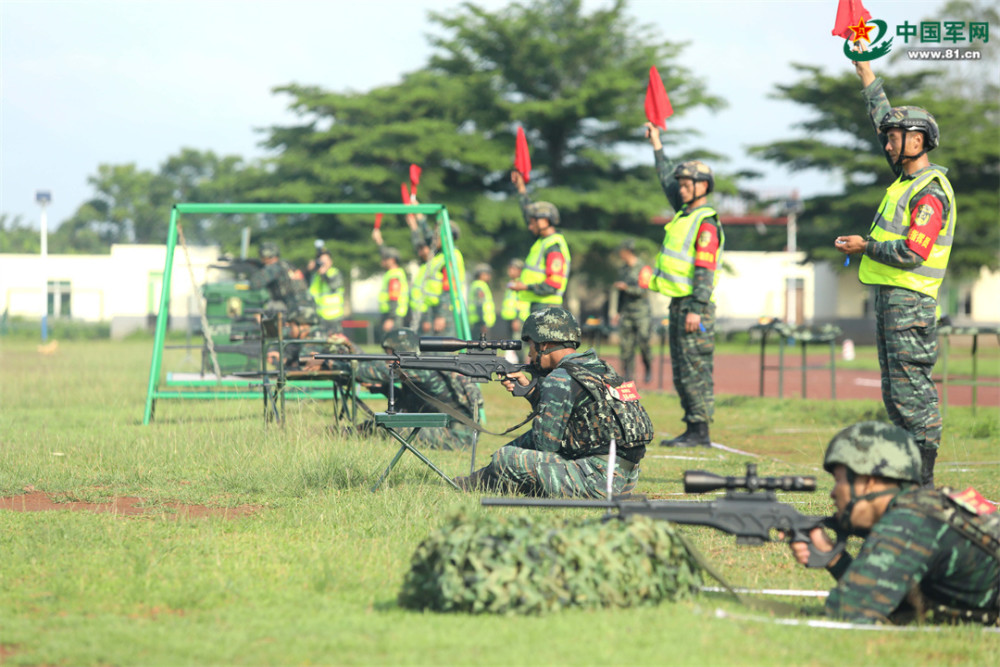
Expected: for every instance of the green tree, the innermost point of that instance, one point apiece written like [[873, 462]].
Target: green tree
[[18, 236], [575, 81]]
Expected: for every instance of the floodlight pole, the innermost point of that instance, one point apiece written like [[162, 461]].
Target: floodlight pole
[[43, 197], [792, 207]]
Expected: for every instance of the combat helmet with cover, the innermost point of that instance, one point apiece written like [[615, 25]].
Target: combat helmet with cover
[[552, 325], [696, 170], [268, 249], [875, 448], [915, 119], [401, 340], [544, 209]]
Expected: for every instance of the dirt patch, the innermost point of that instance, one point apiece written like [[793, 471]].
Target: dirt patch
[[39, 501]]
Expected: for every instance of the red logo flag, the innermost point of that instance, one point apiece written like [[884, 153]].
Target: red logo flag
[[405, 193], [414, 178], [522, 160], [658, 108], [849, 13], [378, 221]]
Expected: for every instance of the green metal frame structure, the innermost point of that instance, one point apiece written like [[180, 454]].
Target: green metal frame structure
[[457, 293]]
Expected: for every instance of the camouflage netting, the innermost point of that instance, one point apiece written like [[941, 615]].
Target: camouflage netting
[[535, 564]]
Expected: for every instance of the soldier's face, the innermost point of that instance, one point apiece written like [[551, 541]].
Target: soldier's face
[[863, 514], [690, 190]]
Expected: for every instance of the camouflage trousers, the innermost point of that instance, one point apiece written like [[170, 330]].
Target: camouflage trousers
[[547, 474], [691, 360], [635, 331], [906, 334]]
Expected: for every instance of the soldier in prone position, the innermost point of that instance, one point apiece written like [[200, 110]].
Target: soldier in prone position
[[927, 552], [581, 404]]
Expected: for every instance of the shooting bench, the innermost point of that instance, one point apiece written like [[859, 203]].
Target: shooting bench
[[391, 421], [788, 335], [946, 332]]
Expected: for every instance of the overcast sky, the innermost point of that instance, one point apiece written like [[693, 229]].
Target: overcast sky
[[90, 82]]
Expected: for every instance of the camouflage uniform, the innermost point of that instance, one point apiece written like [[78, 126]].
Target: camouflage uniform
[[288, 292], [930, 551], [635, 327], [905, 319], [692, 354]]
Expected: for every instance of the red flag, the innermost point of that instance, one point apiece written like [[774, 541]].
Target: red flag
[[405, 192], [414, 178], [658, 108], [849, 12], [378, 221], [522, 160]]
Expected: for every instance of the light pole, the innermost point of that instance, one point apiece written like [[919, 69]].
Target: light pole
[[43, 197], [793, 206]]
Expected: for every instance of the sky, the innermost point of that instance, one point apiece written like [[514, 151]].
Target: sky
[[91, 82]]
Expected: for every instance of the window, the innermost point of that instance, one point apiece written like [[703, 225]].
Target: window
[[59, 298]]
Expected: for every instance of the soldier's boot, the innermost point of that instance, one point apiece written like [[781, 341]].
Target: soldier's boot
[[927, 457], [696, 435], [481, 480]]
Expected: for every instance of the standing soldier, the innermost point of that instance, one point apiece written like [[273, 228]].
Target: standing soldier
[[543, 280], [437, 285], [393, 298], [482, 311], [634, 312], [422, 239], [904, 257], [686, 271], [327, 289], [284, 284]]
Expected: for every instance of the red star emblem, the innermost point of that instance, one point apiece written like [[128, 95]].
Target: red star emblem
[[860, 31]]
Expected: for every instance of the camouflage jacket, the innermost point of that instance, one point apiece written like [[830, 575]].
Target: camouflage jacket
[[578, 415], [704, 279], [633, 301], [451, 388], [912, 562], [280, 280]]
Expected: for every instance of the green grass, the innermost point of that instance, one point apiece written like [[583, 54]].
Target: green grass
[[311, 577]]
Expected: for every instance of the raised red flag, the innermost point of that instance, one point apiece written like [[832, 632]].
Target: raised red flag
[[658, 108], [378, 221], [522, 160], [414, 178], [405, 193], [849, 12]]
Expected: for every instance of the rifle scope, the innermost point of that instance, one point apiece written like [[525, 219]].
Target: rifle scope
[[699, 481], [448, 344]]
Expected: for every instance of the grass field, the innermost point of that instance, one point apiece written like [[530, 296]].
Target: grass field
[[310, 575]]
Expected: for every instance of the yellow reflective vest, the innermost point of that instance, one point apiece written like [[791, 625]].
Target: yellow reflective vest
[[892, 222], [533, 272], [673, 274], [480, 295], [417, 301], [398, 293], [329, 303], [436, 280], [513, 307]]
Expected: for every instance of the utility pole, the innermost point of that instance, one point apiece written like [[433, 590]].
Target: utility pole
[[792, 208], [43, 198]]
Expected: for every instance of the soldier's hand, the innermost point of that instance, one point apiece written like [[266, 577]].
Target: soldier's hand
[[518, 180], [653, 134], [377, 236], [850, 245], [519, 378], [692, 322], [388, 325], [615, 319], [517, 286], [620, 285], [820, 541]]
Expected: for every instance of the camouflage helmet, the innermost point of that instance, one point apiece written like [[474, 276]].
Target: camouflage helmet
[[912, 118], [388, 252], [268, 249], [875, 448], [552, 325], [516, 263], [627, 244], [544, 209], [482, 267], [696, 170], [401, 340]]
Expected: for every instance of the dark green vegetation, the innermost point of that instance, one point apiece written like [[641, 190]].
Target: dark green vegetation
[[312, 574]]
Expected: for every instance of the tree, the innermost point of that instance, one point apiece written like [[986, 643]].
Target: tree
[[576, 82], [17, 236]]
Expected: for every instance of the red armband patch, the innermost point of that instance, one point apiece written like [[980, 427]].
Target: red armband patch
[[395, 288], [555, 269], [706, 246], [645, 276], [925, 225], [626, 392], [973, 501]]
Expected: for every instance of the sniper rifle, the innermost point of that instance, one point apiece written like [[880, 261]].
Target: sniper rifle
[[750, 509]]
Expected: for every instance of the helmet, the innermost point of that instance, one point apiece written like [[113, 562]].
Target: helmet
[[516, 263], [875, 448], [303, 315], [912, 118], [696, 170], [268, 249], [544, 209], [627, 244], [482, 267], [388, 252], [401, 340], [552, 325], [456, 231]]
